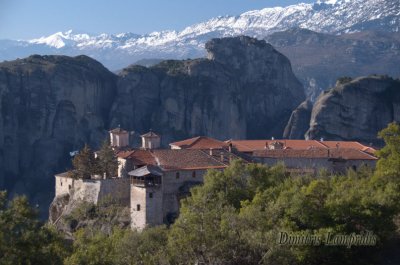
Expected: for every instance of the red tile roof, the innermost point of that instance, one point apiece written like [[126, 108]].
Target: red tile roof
[[338, 153], [138, 157], [253, 145], [200, 142], [349, 144], [123, 154], [174, 159]]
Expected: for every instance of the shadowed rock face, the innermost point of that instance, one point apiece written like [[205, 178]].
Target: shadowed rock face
[[299, 121], [51, 105], [356, 110], [245, 89]]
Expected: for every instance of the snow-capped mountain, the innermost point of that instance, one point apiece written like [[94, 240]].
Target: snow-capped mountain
[[119, 50]]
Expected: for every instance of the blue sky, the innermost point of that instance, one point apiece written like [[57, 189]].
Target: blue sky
[[24, 19]]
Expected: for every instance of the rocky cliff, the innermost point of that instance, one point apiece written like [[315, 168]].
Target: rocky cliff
[[51, 105], [319, 59], [245, 89], [299, 121], [355, 109]]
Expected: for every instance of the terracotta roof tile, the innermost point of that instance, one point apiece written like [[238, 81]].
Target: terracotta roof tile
[[138, 157], [339, 153], [349, 144], [123, 154], [200, 142], [225, 156], [253, 145], [185, 159], [173, 159]]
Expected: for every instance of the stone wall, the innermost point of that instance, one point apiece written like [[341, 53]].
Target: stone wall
[[117, 188], [317, 163], [172, 185], [86, 190], [154, 204], [63, 185], [94, 190]]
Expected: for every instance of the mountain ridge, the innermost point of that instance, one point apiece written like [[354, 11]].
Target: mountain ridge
[[333, 17]]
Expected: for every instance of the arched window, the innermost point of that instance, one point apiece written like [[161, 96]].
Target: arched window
[[177, 175], [193, 174]]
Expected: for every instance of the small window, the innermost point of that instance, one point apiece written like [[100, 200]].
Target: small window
[[61, 183], [69, 187], [138, 207], [150, 195], [193, 174], [177, 175]]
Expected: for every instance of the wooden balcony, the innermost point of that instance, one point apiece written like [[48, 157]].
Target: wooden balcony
[[146, 181]]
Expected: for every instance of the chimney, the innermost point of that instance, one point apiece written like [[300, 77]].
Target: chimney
[[322, 139], [211, 151], [272, 138]]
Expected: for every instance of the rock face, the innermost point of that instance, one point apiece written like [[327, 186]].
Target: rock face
[[319, 59], [52, 105], [245, 89], [49, 106], [68, 215], [356, 109], [299, 121]]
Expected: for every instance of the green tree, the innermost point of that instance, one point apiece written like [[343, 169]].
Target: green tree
[[108, 162], [93, 247], [119, 247], [388, 165], [85, 164], [209, 229], [147, 247], [23, 240]]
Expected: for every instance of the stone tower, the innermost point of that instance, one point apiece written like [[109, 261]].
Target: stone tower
[[146, 197]]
